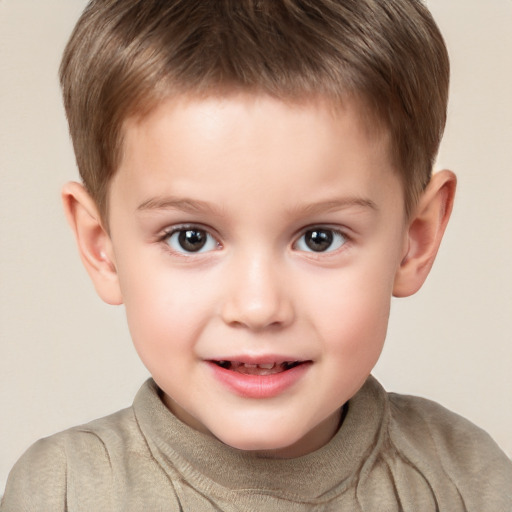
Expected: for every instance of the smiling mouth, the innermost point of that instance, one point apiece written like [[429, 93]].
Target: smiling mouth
[[258, 369]]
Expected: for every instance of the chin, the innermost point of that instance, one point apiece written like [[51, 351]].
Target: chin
[[270, 443], [260, 445], [278, 437]]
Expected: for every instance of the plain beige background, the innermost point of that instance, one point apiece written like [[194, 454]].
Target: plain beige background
[[66, 358]]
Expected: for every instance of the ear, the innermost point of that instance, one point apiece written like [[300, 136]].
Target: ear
[[93, 240], [424, 233]]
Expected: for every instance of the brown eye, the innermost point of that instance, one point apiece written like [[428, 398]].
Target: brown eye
[[191, 240], [320, 240]]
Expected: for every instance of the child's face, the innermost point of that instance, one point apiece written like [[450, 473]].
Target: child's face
[[248, 230]]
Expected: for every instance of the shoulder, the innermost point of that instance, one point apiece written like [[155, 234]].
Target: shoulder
[[38, 476], [448, 433], [451, 448], [79, 456]]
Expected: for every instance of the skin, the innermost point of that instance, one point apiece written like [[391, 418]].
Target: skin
[[254, 175]]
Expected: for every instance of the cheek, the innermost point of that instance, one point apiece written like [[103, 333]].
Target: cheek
[[359, 325], [353, 341], [165, 310], [352, 313]]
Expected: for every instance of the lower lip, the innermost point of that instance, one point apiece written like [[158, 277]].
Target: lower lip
[[259, 386]]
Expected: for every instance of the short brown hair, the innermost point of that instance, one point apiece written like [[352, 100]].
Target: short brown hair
[[125, 56]]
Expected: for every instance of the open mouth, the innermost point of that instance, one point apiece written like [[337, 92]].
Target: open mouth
[[258, 369]]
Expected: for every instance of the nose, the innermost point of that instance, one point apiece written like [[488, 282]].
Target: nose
[[257, 296]]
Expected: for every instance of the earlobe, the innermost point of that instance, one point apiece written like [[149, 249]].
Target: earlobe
[[425, 232], [93, 241]]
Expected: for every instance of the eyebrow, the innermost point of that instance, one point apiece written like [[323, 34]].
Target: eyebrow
[[337, 204], [175, 203]]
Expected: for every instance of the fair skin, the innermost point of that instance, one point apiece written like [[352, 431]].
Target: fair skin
[[256, 245]]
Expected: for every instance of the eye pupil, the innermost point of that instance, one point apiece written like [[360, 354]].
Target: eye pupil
[[192, 240], [318, 240]]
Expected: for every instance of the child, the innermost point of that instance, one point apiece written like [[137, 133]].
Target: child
[[257, 185]]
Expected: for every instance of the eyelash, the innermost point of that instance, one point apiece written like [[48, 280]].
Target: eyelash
[[337, 236]]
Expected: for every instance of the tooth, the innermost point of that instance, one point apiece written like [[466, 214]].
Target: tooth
[[247, 365], [268, 366]]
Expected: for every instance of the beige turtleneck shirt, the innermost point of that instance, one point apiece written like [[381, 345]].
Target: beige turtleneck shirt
[[392, 453]]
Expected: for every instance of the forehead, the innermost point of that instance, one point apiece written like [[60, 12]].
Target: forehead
[[245, 143]]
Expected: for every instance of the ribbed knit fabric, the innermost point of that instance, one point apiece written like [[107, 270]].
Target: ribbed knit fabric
[[392, 453]]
